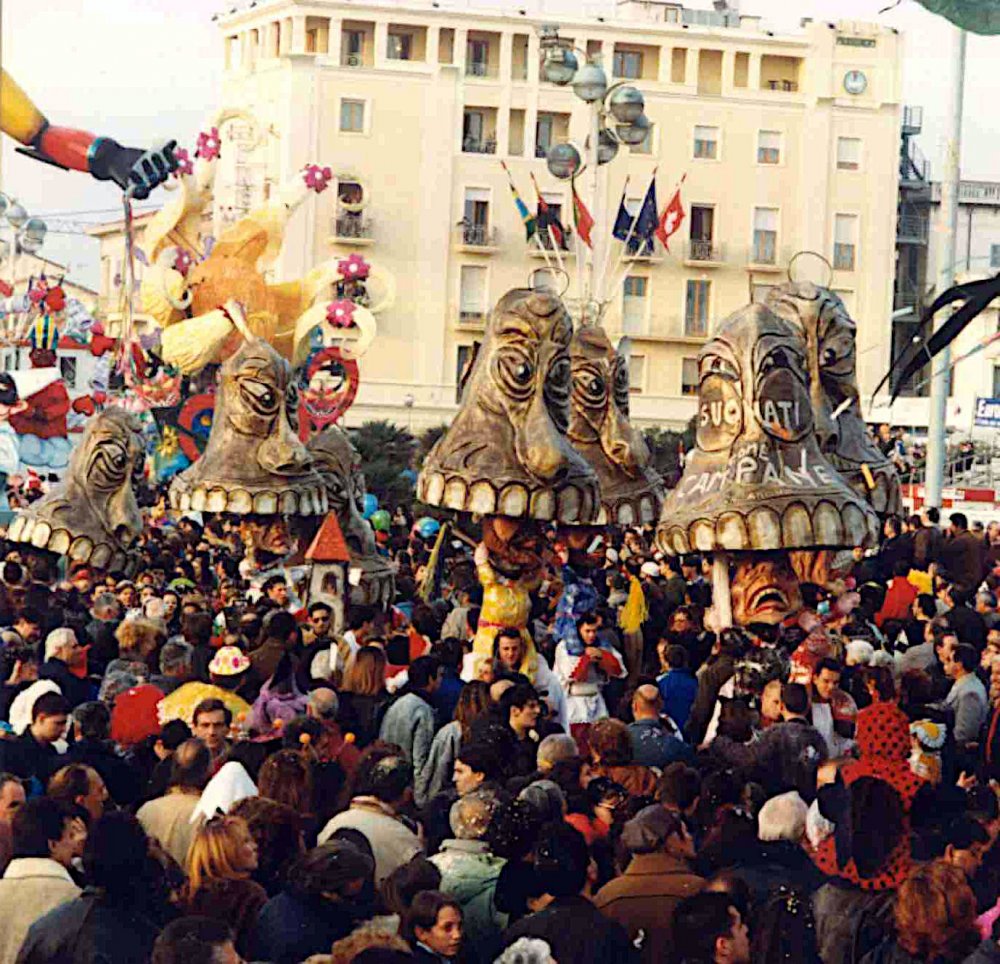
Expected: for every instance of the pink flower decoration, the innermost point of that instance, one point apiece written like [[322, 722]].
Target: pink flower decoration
[[183, 261], [340, 313], [185, 163], [354, 268], [209, 145], [317, 178]]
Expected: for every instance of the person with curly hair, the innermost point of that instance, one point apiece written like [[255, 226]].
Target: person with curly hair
[[934, 918]]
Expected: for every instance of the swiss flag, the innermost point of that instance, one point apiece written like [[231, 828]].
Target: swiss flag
[[670, 219]]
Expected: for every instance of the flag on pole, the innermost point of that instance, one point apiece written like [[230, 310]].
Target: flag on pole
[[527, 218], [546, 220], [646, 222], [623, 221], [582, 218], [671, 218]]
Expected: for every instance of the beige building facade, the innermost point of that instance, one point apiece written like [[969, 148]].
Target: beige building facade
[[788, 143]]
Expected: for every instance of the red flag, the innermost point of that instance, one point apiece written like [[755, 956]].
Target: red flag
[[670, 219], [583, 219], [545, 222]]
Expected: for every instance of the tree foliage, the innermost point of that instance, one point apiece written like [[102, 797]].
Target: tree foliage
[[386, 453]]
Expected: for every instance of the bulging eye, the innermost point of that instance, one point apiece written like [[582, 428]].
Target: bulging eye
[[717, 365], [515, 372]]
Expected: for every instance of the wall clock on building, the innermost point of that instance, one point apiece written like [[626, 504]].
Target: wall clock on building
[[855, 82]]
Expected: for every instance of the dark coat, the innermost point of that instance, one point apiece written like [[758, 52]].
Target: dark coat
[[92, 929], [850, 921], [75, 690], [25, 757], [290, 927], [787, 757], [121, 779], [362, 715], [576, 931], [963, 558], [968, 625], [710, 680], [678, 689], [773, 863]]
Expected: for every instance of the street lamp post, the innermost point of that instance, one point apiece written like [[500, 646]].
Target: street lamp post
[[616, 117]]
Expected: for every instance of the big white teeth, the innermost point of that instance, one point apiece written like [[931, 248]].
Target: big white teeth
[[513, 501], [482, 498], [765, 529], [731, 531], [827, 525], [796, 526], [454, 494]]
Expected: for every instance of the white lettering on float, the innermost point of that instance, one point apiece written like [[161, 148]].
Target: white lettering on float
[[758, 464]]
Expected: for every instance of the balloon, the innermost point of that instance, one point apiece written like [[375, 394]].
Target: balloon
[[370, 505], [380, 520], [427, 527]]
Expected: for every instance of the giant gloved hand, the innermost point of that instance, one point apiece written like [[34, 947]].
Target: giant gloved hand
[[135, 171]]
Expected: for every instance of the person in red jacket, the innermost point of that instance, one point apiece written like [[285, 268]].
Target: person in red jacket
[[899, 597]]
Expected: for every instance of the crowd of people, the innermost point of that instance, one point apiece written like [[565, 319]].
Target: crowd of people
[[194, 767]]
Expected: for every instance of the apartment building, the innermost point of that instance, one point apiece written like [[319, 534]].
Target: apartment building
[[789, 143]]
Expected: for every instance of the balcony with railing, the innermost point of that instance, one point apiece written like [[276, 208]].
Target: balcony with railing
[[705, 253], [353, 230], [479, 145], [912, 227], [546, 242], [913, 120], [477, 238]]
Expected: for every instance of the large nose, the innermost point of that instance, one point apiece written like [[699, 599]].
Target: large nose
[[282, 453], [540, 445], [625, 446]]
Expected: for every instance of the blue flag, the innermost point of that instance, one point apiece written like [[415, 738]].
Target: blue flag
[[646, 222], [623, 222]]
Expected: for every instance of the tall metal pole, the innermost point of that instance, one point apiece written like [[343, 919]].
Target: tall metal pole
[[597, 236], [936, 448]]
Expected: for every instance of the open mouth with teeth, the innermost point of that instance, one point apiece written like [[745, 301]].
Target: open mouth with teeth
[[31, 530], [640, 507], [780, 524], [217, 496], [767, 601], [575, 501]]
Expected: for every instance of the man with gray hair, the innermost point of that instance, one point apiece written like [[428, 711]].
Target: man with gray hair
[[469, 872], [63, 654], [555, 748], [176, 666]]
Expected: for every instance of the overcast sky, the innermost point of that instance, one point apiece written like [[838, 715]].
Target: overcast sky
[[145, 70]]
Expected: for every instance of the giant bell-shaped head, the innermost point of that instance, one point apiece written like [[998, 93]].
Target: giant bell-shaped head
[[831, 351], [506, 453], [93, 516], [253, 463], [599, 428], [757, 479]]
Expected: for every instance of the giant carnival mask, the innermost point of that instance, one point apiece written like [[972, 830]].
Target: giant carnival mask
[[93, 517], [599, 428], [756, 481], [831, 341], [339, 466], [506, 452], [253, 463]]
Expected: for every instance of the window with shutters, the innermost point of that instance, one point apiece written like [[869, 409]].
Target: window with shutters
[[765, 236], [472, 298], [696, 308], [627, 64], [768, 147], [689, 376], [848, 153], [706, 143], [845, 242], [636, 373], [634, 305], [352, 116]]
